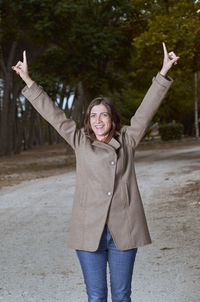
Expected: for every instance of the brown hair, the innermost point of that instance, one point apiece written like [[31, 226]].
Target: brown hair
[[115, 119]]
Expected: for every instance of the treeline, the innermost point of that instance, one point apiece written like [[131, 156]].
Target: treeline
[[78, 50]]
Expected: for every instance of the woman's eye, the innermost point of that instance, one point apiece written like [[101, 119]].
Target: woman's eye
[[103, 114]]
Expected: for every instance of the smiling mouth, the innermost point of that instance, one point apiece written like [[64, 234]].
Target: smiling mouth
[[99, 126]]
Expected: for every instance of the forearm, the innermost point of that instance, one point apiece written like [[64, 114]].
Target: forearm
[[29, 82], [50, 112], [149, 106], [164, 71]]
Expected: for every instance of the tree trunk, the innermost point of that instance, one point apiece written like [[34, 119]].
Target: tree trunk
[[6, 114], [30, 141], [50, 134], [13, 133], [196, 119], [82, 99], [39, 133]]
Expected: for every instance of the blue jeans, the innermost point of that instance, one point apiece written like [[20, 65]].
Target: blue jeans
[[94, 265]]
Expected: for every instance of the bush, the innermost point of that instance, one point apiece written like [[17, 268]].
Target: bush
[[171, 131]]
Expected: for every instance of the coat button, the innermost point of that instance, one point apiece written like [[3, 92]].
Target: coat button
[[109, 193], [112, 163]]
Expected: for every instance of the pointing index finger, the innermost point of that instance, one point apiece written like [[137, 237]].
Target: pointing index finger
[[24, 57], [165, 49]]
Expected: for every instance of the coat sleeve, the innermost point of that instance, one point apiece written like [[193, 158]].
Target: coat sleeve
[[147, 109], [53, 114]]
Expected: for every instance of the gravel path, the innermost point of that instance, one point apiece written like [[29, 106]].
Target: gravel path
[[36, 265]]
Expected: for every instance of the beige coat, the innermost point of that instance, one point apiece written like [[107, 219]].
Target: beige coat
[[106, 187]]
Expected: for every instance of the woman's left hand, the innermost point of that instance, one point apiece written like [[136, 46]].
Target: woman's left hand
[[169, 60]]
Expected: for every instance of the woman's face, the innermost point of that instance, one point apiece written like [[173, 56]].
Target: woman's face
[[100, 122]]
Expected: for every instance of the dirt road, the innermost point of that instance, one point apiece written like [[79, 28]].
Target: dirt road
[[36, 265]]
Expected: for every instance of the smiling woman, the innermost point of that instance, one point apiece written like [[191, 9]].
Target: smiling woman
[[102, 121], [108, 221]]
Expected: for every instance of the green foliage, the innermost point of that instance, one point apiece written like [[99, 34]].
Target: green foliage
[[171, 131], [90, 39], [127, 102], [178, 24]]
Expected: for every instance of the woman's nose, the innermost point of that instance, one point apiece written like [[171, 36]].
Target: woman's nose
[[99, 118]]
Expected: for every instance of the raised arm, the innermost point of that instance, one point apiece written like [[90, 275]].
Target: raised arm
[[44, 105], [151, 102]]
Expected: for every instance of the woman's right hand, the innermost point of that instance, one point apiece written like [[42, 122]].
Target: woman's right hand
[[21, 68], [169, 60]]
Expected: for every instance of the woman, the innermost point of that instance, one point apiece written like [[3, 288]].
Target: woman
[[108, 223]]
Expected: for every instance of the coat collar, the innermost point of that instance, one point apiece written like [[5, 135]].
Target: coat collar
[[113, 144]]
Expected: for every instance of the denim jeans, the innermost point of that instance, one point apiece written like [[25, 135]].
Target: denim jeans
[[94, 265]]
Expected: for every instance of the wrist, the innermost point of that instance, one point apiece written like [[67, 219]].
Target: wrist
[[163, 72], [28, 81]]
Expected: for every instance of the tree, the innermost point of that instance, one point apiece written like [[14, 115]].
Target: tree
[[176, 23], [89, 42], [83, 46]]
